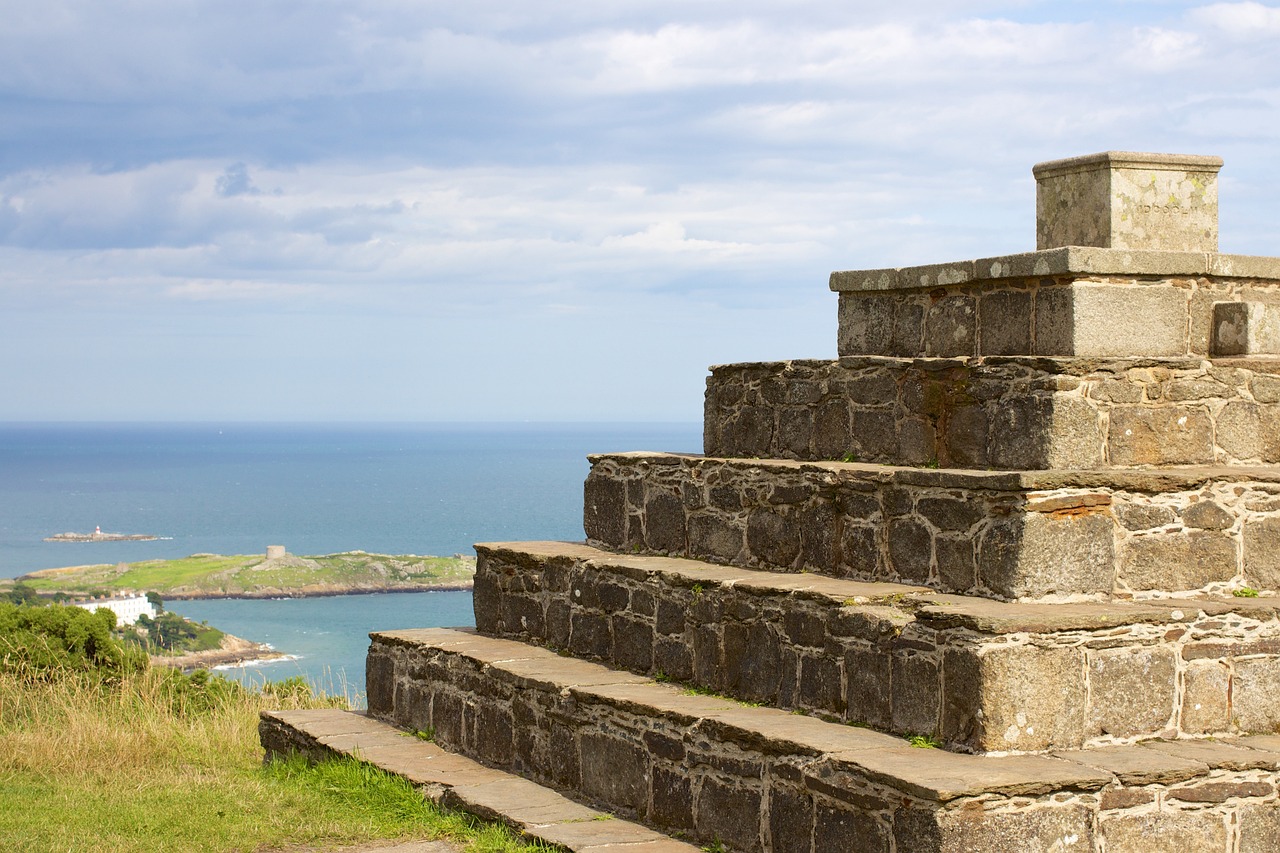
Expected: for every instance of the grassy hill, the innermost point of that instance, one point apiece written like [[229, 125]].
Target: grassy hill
[[253, 576]]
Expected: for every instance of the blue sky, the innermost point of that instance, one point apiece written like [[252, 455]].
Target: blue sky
[[545, 211]]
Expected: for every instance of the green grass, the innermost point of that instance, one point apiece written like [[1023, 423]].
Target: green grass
[[211, 574], [151, 762]]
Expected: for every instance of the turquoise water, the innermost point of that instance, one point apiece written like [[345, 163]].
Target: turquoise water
[[316, 489], [327, 636]]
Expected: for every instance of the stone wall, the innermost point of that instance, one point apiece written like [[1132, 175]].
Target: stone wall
[[981, 676], [1004, 413], [1065, 315], [691, 765], [1051, 535]]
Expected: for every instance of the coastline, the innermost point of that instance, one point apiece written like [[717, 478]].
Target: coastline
[[313, 591], [233, 651]]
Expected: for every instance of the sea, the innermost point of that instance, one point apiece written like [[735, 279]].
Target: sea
[[427, 489]]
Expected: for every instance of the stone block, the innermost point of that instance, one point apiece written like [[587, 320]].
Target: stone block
[[1259, 827], [1014, 697], [1059, 828], [1262, 553], [790, 820], [1165, 831], [1205, 698], [868, 678], [672, 805], [1128, 200], [951, 327], [1005, 322], [915, 695], [1172, 562], [1245, 328], [1102, 319], [1249, 431], [614, 771], [1255, 686], [604, 509], [1160, 436], [1131, 691], [1037, 554], [728, 812], [664, 523], [840, 828]]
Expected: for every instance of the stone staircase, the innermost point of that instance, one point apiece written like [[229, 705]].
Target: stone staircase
[[1000, 578]]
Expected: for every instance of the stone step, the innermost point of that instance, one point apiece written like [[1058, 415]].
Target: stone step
[[459, 783], [980, 675], [762, 779], [999, 412], [1049, 535]]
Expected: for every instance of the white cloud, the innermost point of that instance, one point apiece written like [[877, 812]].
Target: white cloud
[[1244, 21]]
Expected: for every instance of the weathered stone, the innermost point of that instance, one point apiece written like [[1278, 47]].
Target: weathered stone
[[1040, 554], [1164, 436], [1259, 827], [772, 537], [868, 675], [955, 560], [1248, 431], [604, 514], [1136, 516], [1207, 515], [914, 694], [910, 550], [1178, 561], [1205, 707], [1013, 698], [790, 821], [1059, 828], [951, 325], [664, 522], [1125, 200], [713, 538], [729, 813], [1131, 690], [1255, 686], [849, 829], [1262, 553], [1167, 831], [1006, 323], [614, 771]]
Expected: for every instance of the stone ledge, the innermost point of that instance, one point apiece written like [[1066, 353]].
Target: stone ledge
[[984, 676], [999, 412], [1017, 535], [1062, 261], [757, 779], [456, 782]]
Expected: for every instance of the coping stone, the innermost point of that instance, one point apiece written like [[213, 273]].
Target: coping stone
[[1062, 261], [535, 810]]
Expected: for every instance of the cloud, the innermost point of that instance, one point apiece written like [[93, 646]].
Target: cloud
[[445, 166]]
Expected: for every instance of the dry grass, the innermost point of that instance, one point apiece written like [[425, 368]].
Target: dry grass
[[156, 762]]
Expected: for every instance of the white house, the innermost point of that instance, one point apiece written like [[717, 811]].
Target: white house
[[127, 608]]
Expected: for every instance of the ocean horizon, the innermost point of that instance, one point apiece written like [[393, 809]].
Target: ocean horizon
[[234, 488]]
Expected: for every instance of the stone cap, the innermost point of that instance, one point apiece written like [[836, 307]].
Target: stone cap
[[1128, 200], [1062, 261]]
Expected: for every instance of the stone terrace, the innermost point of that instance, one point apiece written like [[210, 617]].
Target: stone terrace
[[1024, 519]]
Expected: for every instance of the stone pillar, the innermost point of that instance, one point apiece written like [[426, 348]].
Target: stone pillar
[[1127, 200]]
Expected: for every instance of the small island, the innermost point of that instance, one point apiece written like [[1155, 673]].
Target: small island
[[277, 574], [98, 536]]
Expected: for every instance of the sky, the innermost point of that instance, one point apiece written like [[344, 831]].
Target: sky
[[409, 210]]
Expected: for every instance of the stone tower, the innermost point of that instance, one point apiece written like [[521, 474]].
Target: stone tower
[[1029, 518]]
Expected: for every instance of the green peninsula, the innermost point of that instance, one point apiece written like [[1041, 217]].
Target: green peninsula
[[256, 576]]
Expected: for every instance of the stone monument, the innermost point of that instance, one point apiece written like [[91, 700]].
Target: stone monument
[[1028, 520]]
